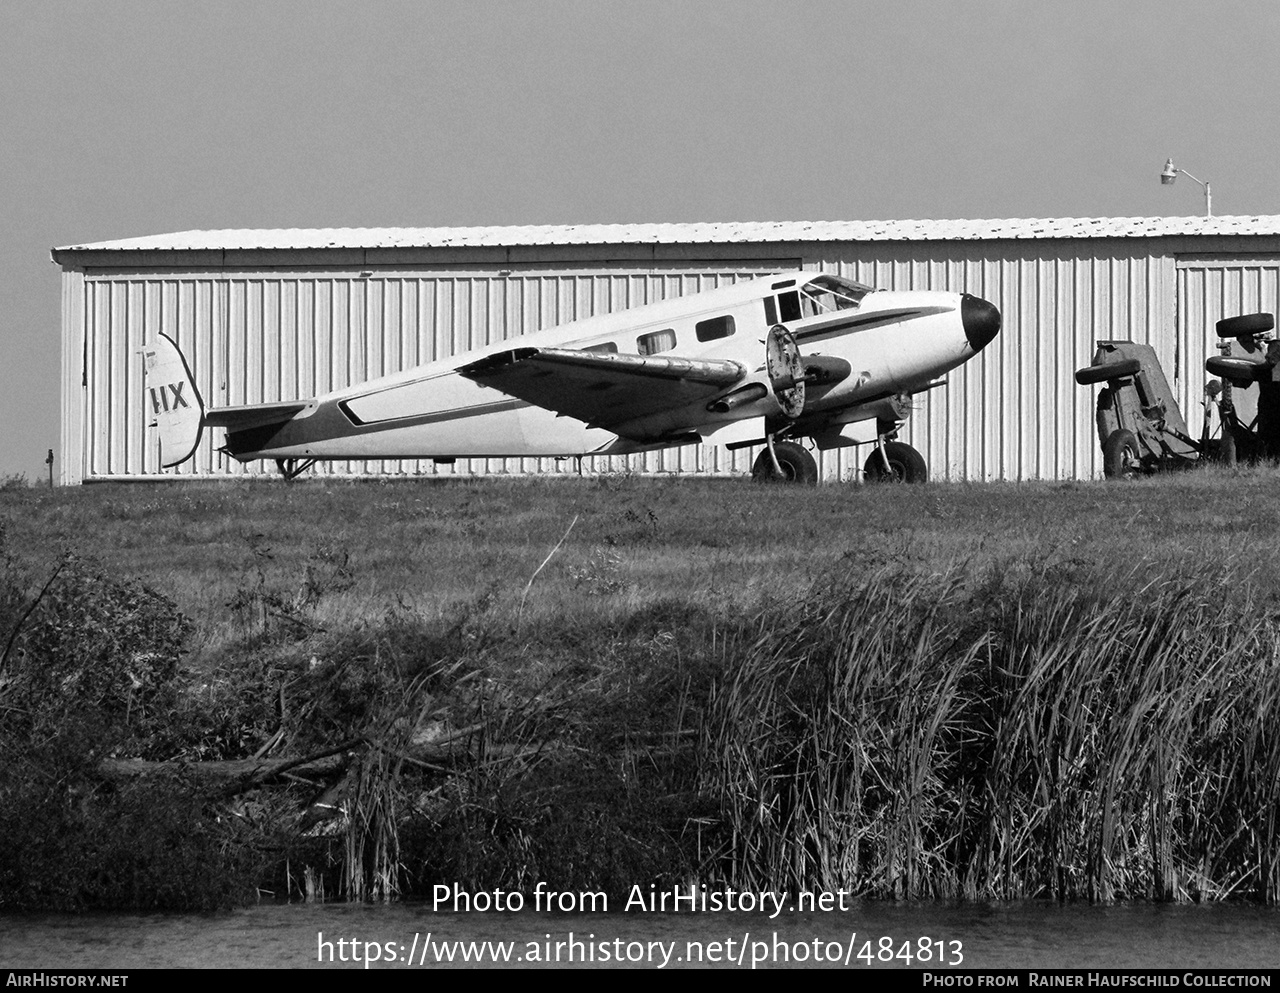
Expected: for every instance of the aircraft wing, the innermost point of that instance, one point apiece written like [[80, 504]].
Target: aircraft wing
[[603, 388]]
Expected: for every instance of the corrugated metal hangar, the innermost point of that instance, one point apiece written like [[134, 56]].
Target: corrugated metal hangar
[[281, 315]]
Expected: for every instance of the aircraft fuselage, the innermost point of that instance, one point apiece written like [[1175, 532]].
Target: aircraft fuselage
[[856, 353]]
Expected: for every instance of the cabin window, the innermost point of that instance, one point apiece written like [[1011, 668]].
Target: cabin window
[[607, 347], [789, 306], [656, 341], [716, 327], [770, 312]]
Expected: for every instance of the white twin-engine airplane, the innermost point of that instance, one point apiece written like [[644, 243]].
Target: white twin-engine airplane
[[770, 360]]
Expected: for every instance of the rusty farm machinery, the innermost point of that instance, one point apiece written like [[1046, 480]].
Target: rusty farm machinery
[[1140, 425]]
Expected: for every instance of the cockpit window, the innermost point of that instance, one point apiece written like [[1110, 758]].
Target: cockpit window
[[827, 294]]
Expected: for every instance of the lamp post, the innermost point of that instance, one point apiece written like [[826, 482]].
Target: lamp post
[[1171, 172]]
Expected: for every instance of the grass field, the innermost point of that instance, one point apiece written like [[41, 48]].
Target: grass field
[[438, 544], [969, 690]]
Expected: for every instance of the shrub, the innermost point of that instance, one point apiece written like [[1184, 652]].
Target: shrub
[[95, 645]]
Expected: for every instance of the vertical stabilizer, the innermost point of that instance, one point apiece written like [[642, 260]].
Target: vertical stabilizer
[[173, 405]]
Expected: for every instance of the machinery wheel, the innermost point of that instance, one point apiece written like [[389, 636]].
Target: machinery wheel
[[1121, 456], [798, 466], [1237, 371], [1107, 370], [1245, 325], [906, 465]]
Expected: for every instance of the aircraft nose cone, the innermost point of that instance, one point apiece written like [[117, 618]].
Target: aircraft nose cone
[[981, 321]]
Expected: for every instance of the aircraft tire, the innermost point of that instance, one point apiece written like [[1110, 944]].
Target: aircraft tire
[[906, 465], [798, 466], [1107, 370], [1245, 325], [1121, 456]]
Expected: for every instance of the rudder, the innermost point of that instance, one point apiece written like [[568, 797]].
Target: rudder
[[173, 404]]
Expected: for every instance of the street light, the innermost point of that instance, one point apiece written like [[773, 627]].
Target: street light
[[1171, 172]]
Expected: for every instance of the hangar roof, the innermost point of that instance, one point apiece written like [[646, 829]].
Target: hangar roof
[[702, 233]]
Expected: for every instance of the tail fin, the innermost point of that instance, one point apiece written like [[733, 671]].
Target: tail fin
[[173, 405]]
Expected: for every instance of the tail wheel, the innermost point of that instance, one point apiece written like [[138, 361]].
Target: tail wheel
[[1121, 456], [906, 465], [797, 465]]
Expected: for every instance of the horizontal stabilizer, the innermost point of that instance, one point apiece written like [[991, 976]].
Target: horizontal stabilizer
[[253, 415]]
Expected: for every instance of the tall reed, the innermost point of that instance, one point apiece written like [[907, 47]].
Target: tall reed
[[377, 795], [1003, 735]]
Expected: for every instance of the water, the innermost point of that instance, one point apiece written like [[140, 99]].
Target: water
[[1002, 936]]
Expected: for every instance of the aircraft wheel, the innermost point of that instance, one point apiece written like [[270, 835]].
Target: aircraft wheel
[[906, 465], [1107, 370], [798, 466], [1245, 324], [1121, 456]]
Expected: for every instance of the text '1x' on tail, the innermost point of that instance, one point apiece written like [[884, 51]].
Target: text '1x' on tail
[[173, 405]]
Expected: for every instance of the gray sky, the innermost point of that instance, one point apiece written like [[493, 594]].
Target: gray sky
[[135, 117]]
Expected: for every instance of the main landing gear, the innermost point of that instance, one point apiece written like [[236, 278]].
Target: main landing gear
[[889, 462], [785, 462], [895, 462]]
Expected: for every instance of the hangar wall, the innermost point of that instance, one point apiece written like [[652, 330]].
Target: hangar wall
[[258, 330]]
